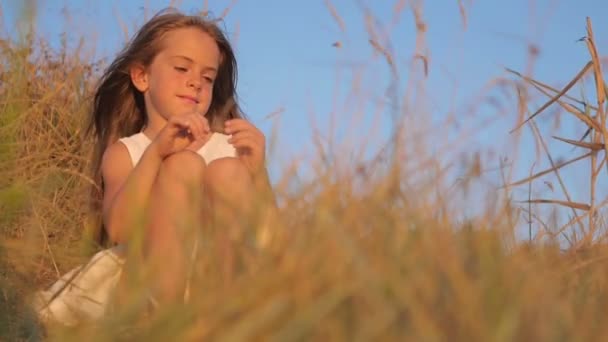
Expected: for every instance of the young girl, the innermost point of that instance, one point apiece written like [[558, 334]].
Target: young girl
[[172, 152]]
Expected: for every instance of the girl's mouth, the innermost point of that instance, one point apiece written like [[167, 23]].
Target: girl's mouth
[[188, 99]]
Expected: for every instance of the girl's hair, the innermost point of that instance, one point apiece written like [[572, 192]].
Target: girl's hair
[[118, 107]]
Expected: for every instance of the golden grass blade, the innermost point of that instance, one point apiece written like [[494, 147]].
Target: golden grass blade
[[536, 132], [556, 97], [590, 121], [557, 167], [463, 14], [541, 85], [425, 63], [579, 218], [296, 328], [574, 205], [602, 163], [597, 66], [384, 52], [592, 146], [586, 134], [603, 133], [246, 328], [588, 262], [227, 10], [335, 15]]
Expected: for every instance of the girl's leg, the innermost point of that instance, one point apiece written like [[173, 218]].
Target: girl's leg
[[176, 206], [231, 196]]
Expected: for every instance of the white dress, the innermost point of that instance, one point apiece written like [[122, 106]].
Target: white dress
[[83, 293]]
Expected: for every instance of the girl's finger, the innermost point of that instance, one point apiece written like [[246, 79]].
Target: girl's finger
[[180, 124], [191, 130], [242, 134], [177, 122], [197, 144], [197, 131], [237, 125], [202, 123], [246, 143], [257, 136]]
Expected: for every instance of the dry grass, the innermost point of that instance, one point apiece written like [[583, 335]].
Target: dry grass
[[370, 254]]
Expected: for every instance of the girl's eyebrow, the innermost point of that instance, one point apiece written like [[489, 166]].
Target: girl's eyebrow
[[190, 60]]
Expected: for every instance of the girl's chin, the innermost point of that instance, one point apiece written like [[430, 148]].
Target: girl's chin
[[185, 110]]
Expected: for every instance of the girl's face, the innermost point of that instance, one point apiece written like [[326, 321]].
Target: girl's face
[[180, 78]]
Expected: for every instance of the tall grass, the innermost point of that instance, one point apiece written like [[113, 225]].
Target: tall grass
[[366, 250]]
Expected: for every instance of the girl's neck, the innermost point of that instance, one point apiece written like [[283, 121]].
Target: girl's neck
[[155, 125], [150, 133]]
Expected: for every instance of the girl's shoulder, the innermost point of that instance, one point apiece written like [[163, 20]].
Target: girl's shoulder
[[136, 144]]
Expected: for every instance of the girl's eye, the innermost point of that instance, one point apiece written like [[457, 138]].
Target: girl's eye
[[181, 69], [208, 79]]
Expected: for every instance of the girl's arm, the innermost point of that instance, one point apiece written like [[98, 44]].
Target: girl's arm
[[126, 189]]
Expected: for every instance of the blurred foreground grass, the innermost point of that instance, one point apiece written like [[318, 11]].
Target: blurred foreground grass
[[373, 256]]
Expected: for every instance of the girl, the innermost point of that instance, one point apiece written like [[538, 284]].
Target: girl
[[172, 152]]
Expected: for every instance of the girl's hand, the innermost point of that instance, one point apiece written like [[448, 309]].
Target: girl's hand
[[249, 142], [181, 132]]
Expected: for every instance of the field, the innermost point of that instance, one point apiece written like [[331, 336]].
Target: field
[[370, 250]]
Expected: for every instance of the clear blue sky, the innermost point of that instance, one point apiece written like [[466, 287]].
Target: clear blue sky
[[287, 60]]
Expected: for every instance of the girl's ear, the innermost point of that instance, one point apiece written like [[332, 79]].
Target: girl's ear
[[139, 77]]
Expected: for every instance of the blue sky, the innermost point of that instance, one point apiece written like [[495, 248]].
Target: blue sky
[[286, 60]]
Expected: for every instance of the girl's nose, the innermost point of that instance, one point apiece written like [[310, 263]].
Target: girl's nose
[[195, 83]]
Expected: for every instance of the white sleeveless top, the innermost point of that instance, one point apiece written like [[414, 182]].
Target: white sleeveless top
[[217, 147]]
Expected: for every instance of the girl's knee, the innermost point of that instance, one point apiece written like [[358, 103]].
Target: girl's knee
[[227, 170], [184, 165]]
